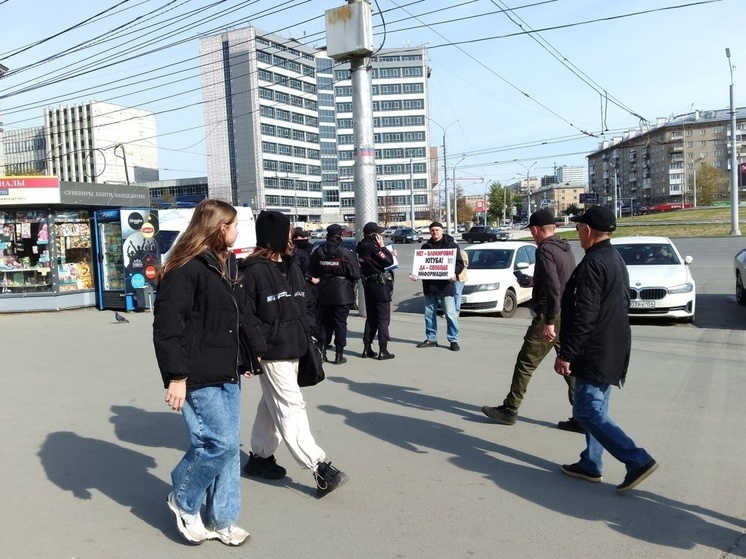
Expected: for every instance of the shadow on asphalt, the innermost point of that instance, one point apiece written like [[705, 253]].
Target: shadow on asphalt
[[639, 515]]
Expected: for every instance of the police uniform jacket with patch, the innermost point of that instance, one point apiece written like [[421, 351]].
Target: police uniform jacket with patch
[[373, 263], [199, 331], [338, 270]]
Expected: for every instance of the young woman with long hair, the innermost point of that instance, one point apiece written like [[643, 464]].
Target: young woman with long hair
[[203, 343], [276, 295]]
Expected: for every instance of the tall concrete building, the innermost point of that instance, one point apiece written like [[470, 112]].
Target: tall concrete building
[[656, 165], [24, 151], [570, 174], [278, 121], [100, 142]]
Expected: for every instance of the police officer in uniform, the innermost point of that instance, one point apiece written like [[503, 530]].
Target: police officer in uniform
[[338, 270], [378, 284]]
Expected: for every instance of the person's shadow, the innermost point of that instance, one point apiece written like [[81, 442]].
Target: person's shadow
[[642, 516], [81, 465]]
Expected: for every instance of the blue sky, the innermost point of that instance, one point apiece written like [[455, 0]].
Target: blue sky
[[507, 103]]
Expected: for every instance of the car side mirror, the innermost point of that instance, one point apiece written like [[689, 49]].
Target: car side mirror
[[521, 265], [688, 260]]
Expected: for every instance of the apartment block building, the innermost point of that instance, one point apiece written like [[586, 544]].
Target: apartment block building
[[278, 116], [656, 165]]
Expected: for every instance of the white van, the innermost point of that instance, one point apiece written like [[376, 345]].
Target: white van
[[172, 222]]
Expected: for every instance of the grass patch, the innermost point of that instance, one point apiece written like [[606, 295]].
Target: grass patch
[[702, 222]]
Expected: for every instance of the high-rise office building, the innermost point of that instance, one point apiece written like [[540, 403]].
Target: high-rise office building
[[100, 142], [278, 121]]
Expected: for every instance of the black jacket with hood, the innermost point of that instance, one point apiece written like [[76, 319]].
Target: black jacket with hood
[[199, 331], [554, 264], [442, 288], [275, 294]]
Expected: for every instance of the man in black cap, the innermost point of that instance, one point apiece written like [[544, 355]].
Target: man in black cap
[[378, 284], [441, 291], [338, 270], [554, 264], [596, 342]]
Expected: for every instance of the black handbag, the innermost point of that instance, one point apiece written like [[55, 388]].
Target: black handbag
[[311, 365]]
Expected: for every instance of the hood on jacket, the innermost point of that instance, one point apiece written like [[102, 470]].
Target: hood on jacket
[[558, 242]]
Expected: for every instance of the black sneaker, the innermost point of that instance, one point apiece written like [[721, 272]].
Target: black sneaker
[[502, 414], [428, 343], [268, 468], [328, 478], [576, 471], [571, 425], [635, 477], [454, 346]]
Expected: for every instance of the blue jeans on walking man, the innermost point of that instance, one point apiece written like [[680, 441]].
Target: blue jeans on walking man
[[212, 464], [590, 408], [448, 306]]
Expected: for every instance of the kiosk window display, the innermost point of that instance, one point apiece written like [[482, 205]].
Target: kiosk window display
[[25, 263], [73, 238]]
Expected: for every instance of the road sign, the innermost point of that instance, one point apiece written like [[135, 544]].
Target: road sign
[[588, 198]]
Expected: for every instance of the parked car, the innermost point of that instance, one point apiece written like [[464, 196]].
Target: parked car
[[390, 231], [492, 287], [424, 230], [661, 283], [739, 265], [406, 235], [485, 234], [318, 234]]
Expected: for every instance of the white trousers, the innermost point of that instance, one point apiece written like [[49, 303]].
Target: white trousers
[[281, 415]]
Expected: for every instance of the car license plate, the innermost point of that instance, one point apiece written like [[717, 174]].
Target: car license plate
[[642, 304]]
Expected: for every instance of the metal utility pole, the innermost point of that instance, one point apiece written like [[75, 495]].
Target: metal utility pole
[[616, 192], [349, 31], [734, 230], [445, 170], [411, 193], [528, 186]]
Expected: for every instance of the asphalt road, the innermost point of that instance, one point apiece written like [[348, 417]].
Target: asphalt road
[[87, 444]]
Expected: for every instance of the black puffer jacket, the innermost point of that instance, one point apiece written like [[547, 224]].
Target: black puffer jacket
[[595, 336], [196, 329], [338, 270], [275, 294]]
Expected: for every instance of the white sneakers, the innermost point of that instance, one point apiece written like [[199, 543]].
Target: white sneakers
[[232, 535], [194, 531], [190, 525]]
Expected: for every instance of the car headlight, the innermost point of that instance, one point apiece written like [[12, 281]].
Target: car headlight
[[683, 288], [488, 286]]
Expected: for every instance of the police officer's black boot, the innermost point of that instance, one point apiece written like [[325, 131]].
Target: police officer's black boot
[[384, 353], [323, 356], [339, 359], [367, 350]]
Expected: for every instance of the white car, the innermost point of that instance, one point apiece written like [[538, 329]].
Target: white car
[[661, 284], [492, 286], [739, 266], [390, 231], [318, 234]]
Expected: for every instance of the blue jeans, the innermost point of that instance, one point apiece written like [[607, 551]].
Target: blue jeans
[[211, 467], [459, 285], [448, 305], [590, 408]]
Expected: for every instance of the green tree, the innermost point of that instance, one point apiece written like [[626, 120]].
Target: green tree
[[712, 184], [501, 201], [572, 209], [464, 212]]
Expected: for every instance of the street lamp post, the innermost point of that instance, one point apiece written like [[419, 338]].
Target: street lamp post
[[528, 186], [455, 199], [694, 181], [734, 230], [445, 169]]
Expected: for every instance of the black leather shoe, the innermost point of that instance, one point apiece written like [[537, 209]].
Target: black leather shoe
[[454, 346], [427, 343]]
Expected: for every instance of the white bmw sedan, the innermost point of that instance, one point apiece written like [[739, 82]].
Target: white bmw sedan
[[491, 286], [661, 283]]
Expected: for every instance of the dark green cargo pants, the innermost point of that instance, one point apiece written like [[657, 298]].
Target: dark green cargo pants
[[535, 349]]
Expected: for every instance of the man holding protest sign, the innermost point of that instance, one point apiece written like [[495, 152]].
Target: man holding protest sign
[[437, 264]]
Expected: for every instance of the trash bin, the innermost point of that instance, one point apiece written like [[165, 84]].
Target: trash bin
[[144, 297]]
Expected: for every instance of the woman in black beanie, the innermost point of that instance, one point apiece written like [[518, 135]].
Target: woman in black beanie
[[275, 289]]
